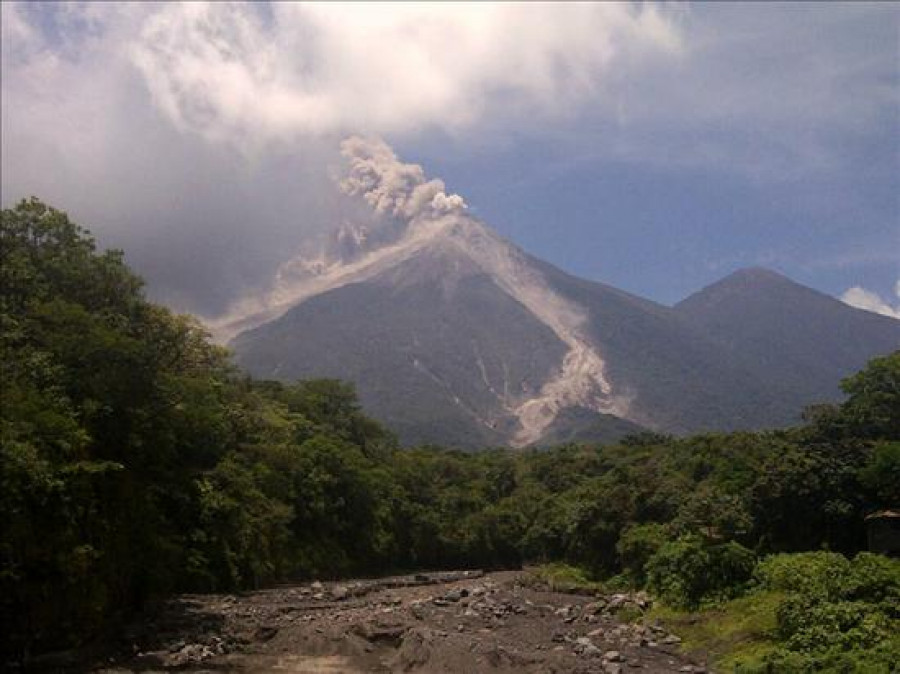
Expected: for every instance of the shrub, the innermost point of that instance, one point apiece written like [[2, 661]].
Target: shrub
[[820, 574], [839, 615], [810, 626], [875, 578], [880, 659], [688, 572], [828, 576], [563, 577], [636, 546]]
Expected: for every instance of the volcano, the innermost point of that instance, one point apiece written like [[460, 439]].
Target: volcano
[[452, 335]]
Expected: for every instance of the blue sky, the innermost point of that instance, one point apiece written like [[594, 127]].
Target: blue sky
[[652, 147], [663, 232]]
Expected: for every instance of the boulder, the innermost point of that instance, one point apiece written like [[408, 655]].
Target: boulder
[[415, 649]]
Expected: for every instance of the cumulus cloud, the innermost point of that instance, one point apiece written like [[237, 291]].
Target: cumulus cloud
[[870, 301], [248, 74]]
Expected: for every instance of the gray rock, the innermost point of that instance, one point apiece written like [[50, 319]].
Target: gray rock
[[415, 650], [380, 633], [265, 633], [594, 607], [456, 595], [617, 601], [190, 654], [584, 646]]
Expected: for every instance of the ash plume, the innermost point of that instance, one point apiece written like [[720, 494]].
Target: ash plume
[[392, 187]]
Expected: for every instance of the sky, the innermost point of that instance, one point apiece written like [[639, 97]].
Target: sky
[[653, 147]]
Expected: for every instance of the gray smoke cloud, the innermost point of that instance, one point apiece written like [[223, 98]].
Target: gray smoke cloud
[[393, 187]]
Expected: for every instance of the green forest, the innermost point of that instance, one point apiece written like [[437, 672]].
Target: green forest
[[138, 462]]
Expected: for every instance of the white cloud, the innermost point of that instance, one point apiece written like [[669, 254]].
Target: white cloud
[[231, 72], [870, 301], [771, 92]]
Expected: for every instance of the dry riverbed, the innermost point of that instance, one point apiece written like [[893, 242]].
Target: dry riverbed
[[453, 622]]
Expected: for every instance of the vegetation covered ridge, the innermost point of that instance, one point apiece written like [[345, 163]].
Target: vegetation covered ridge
[[136, 462]]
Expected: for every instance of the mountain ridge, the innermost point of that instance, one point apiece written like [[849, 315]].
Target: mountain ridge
[[810, 339], [454, 335]]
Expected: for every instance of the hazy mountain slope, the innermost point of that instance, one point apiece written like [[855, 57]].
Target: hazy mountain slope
[[788, 333], [424, 237], [679, 379], [577, 424], [454, 335], [434, 346]]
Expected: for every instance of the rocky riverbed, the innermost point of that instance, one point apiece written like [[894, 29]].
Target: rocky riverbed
[[451, 622]]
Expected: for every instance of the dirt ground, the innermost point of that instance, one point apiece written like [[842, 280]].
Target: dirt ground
[[463, 622]]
